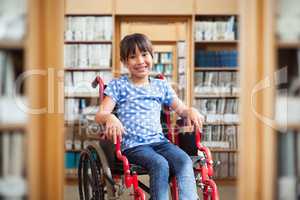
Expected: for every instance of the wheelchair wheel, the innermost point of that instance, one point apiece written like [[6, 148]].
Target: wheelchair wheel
[[92, 172]]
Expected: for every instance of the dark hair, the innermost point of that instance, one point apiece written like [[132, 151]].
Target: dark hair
[[130, 42]]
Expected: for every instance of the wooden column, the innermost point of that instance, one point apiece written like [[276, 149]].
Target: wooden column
[[44, 49], [256, 159]]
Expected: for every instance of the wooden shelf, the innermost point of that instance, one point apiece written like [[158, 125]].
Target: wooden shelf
[[12, 45], [222, 123], [87, 69], [204, 96], [295, 126], [216, 69], [73, 150], [71, 179], [12, 127], [223, 150], [226, 181], [289, 45], [165, 63], [89, 42], [82, 95], [217, 42]]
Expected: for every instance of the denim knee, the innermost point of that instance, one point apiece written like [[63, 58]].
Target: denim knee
[[185, 162], [160, 164]]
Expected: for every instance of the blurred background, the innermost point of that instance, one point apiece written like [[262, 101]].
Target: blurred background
[[236, 61]]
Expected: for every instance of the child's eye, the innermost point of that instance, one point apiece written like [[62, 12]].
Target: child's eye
[[144, 53], [132, 56]]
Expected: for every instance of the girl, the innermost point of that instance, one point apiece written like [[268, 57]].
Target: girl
[[139, 99]]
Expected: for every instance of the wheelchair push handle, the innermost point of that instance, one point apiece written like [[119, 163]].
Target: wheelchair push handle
[[98, 81]]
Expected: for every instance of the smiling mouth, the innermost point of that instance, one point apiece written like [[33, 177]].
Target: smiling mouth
[[141, 68]]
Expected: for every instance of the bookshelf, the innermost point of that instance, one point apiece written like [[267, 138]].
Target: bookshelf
[[287, 65], [89, 41], [216, 90], [13, 134]]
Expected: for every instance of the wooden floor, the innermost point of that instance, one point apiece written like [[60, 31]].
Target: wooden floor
[[227, 192]]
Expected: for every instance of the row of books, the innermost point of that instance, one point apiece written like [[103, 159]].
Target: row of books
[[228, 165], [216, 82], [71, 162], [227, 58], [288, 169], [77, 109], [13, 20], [93, 55], [12, 99], [10, 68], [216, 29], [88, 28], [12, 165], [79, 82], [220, 136], [162, 57], [217, 105], [166, 69]]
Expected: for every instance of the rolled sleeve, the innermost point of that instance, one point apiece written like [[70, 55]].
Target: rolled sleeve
[[169, 94], [112, 90]]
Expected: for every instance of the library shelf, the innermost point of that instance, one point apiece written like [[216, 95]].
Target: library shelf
[[71, 179], [164, 63], [12, 127], [226, 181], [87, 69], [288, 45], [82, 95], [89, 42], [12, 45], [201, 69], [217, 42], [215, 149], [223, 123], [73, 150], [219, 96], [289, 126]]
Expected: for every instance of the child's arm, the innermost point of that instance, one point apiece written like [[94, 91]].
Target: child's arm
[[113, 125], [190, 113]]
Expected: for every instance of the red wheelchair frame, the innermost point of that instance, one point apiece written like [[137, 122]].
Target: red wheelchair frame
[[204, 166]]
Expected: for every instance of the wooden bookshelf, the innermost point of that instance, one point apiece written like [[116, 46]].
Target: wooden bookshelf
[[89, 42], [222, 123], [218, 45], [204, 69], [217, 42], [226, 181], [288, 45], [87, 69], [13, 127], [82, 95], [288, 126], [207, 96], [11, 45], [73, 150], [223, 150]]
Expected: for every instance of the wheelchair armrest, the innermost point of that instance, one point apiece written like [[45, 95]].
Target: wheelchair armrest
[[205, 151], [126, 168]]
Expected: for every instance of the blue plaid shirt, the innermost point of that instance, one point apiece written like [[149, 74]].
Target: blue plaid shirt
[[139, 109]]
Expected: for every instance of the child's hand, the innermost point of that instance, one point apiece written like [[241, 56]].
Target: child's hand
[[196, 118], [114, 128]]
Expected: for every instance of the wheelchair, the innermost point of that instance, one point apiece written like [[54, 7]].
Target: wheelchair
[[104, 173]]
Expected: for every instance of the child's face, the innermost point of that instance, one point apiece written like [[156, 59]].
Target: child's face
[[139, 64]]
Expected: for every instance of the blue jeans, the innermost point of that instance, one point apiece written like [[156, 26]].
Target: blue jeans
[[160, 160]]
